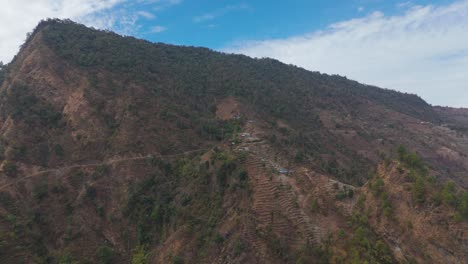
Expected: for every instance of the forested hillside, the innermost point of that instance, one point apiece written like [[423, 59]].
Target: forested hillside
[[118, 150]]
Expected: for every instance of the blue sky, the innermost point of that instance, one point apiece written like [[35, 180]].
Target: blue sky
[[217, 24], [414, 46]]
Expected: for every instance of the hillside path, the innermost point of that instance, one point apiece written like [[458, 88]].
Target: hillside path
[[108, 162]]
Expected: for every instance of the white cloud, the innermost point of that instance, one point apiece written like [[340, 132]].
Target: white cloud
[[20, 16], [17, 17], [361, 8], [220, 12], [146, 14], [158, 29], [404, 4], [424, 50], [164, 4]]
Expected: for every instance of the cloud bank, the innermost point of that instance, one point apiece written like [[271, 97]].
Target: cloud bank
[[158, 29], [220, 12], [18, 17], [424, 50]]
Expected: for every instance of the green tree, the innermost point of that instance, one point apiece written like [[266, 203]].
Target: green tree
[[377, 186], [10, 168], [463, 207], [448, 194], [419, 190], [40, 191], [66, 258], [140, 256], [105, 255], [401, 152], [58, 149]]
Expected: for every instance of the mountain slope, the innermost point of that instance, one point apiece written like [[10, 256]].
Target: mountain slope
[[117, 149]]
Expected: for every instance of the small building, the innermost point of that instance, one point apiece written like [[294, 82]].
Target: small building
[[245, 134], [245, 149]]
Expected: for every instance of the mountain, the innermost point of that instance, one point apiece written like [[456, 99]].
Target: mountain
[[118, 150]]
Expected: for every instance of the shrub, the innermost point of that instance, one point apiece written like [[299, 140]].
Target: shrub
[[419, 190], [463, 206], [177, 260], [218, 239], [387, 211], [30, 108], [411, 160], [40, 191], [341, 233], [314, 206], [242, 156], [448, 194], [238, 247], [186, 200], [7, 201], [341, 195], [10, 168], [299, 157], [226, 169], [101, 170], [58, 149], [401, 152], [58, 188], [16, 152], [386, 204], [91, 193], [66, 258], [140, 256], [360, 236], [377, 186], [100, 210], [243, 175], [105, 255], [382, 252]]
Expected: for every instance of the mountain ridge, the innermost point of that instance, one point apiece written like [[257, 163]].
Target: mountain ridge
[[203, 51], [117, 150]]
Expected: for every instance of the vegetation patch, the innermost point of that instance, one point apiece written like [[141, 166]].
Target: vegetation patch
[[427, 189]]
